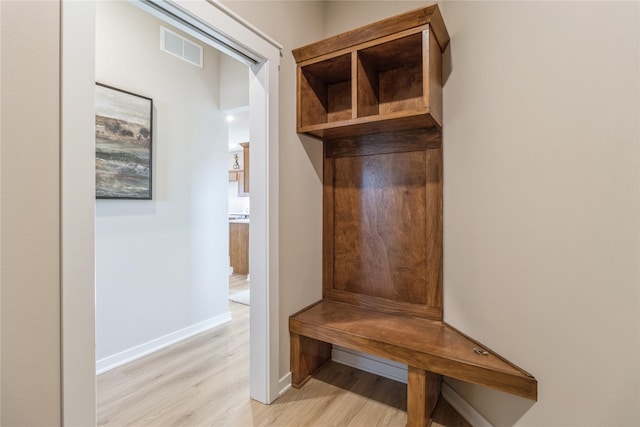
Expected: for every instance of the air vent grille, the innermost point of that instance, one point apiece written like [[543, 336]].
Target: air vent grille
[[179, 46]]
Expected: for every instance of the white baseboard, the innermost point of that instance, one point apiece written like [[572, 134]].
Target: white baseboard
[[366, 362], [462, 406], [118, 359], [284, 384], [398, 372]]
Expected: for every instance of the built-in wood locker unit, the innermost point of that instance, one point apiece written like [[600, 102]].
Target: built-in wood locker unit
[[373, 95]]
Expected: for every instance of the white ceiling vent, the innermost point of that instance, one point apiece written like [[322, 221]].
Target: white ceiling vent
[[177, 45]]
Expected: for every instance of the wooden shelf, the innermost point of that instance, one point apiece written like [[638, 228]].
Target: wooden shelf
[[390, 83], [325, 91]]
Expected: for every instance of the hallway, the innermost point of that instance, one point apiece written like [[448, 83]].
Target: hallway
[[204, 381]]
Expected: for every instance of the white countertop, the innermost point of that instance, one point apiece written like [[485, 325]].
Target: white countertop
[[239, 221]]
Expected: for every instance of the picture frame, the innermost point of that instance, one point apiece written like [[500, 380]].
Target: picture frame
[[124, 142]]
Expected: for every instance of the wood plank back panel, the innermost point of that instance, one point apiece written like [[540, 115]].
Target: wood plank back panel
[[339, 101], [312, 94], [379, 226], [401, 90], [383, 223], [384, 143]]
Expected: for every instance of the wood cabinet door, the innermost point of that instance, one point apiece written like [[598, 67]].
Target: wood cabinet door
[[239, 247]]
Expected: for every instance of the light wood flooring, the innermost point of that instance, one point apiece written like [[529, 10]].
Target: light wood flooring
[[238, 282], [204, 381]]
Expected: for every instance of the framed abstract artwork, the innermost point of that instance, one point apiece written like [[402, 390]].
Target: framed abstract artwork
[[124, 123]]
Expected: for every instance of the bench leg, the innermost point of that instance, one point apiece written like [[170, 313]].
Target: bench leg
[[307, 355], [423, 390]]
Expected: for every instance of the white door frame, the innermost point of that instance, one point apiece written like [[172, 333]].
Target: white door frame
[[78, 372]]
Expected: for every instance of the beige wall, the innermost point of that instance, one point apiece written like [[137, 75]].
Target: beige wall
[[342, 15], [294, 24], [542, 202], [29, 173]]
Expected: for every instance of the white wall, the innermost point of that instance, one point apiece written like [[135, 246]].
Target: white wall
[[29, 199], [162, 265], [234, 87], [542, 215]]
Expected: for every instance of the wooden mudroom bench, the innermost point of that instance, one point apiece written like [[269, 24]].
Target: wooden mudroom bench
[[374, 97], [429, 348]]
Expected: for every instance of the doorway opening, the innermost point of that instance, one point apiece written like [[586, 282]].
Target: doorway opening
[[239, 194], [205, 21]]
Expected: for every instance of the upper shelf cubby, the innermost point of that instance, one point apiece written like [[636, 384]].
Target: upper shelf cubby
[[383, 77], [325, 91]]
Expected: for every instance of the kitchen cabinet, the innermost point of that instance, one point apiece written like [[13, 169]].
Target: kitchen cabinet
[[239, 246], [243, 175]]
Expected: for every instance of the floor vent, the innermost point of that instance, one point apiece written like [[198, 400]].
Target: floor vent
[[179, 46]]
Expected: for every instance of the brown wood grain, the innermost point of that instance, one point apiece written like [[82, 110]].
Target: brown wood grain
[[433, 230], [367, 88], [426, 344], [423, 391], [243, 176], [429, 15], [328, 215], [339, 101], [379, 226], [395, 67], [385, 143], [401, 90], [312, 100], [383, 223], [393, 122], [434, 384], [239, 247], [432, 69], [377, 84], [417, 415], [325, 91], [307, 355]]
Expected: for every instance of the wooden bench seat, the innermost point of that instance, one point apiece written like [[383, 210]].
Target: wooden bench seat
[[427, 347]]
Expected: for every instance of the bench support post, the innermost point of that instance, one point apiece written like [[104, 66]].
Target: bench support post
[[307, 355], [423, 389]]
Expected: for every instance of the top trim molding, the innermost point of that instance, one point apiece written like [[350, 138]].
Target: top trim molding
[[428, 15]]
